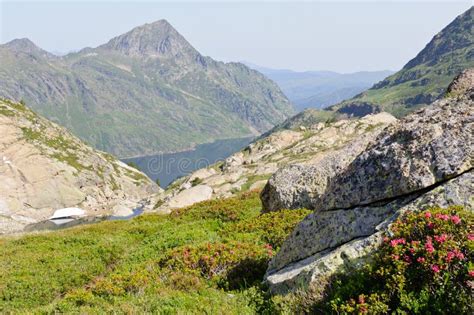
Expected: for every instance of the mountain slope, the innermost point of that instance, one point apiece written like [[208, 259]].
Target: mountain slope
[[319, 89], [44, 168], [143, 92], [424, 78]]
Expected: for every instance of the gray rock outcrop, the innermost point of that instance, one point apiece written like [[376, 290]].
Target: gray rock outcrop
[[44, 168], [423, 160]]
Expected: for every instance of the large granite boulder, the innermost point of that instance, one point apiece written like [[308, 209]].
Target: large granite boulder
[[423, 160], [301, 185]]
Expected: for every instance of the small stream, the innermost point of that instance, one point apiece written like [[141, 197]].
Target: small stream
[[64, 223]]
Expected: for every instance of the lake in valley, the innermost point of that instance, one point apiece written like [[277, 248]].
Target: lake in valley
[[169, 166]]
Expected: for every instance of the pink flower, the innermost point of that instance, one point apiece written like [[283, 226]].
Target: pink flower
[[471, 273], [449, 256], [459, 255], [443, 217], [420, 260], [397, 241], [470, 237], [435, 268], [427, 214], [441, 238], [412, 250], [395, 257], [429, 247], [430, 225], [455, 219]]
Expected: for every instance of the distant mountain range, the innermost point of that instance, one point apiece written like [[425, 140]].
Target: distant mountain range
[[319, 89], [144, 92]]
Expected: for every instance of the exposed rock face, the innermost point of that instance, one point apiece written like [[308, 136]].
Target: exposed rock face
[[190, 196], [43, 168], [250, 168], [423, 149], [462, 83], [300, 186], [423, 160]]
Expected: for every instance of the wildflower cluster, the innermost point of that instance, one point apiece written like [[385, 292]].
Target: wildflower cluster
[[425, 265]]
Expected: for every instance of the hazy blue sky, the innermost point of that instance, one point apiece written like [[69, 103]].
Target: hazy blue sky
[[341, 36]]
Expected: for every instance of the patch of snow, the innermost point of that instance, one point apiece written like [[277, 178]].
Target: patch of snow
[[67, 213]]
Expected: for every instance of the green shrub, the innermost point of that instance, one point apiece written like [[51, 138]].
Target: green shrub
[[424, 267], [273, 227], [196, 181], [230, 264]]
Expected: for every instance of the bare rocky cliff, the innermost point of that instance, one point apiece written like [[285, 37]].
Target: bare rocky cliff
[[44, 168]]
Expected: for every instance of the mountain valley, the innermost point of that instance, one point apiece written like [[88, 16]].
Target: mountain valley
[[363, 207], [145, 92]]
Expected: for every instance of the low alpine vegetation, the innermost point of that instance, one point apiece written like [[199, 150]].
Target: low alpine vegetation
[[424, 267], [207, 258]]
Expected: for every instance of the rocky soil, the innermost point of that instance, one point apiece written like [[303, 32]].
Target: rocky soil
[[250, 168], [44, 168], [425, 159]]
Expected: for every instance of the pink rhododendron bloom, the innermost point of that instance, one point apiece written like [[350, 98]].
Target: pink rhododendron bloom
[[435, 268], [397, 241], [427, 214], [420, 260], [470, 237], [440, 238], [449, 256], [443, 217], [471, 273], [455, 219], [429, 247]]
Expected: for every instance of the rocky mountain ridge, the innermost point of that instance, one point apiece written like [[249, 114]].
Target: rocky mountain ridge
[[425, 77], [44, 168], [421, 81], [144, 92]]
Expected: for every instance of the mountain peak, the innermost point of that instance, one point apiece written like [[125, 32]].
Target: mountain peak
[[156, 39], [26, 46], [23, 45]]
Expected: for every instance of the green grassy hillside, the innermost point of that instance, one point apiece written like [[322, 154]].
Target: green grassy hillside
[[209, 258]]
